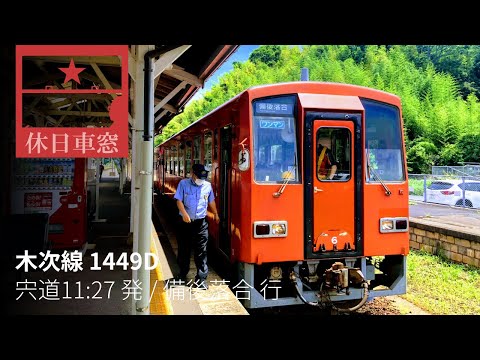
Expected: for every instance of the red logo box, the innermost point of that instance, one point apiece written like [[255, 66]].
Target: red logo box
[[85, 97]]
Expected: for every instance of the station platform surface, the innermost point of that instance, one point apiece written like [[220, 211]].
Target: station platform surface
[[458, 223], [185, 299]]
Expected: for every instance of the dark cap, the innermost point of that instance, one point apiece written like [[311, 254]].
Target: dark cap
[[199, 171]]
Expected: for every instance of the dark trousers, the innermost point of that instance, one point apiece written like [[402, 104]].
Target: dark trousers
[[194, 234]]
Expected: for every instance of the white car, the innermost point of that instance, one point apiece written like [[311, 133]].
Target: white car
[[450, 192]]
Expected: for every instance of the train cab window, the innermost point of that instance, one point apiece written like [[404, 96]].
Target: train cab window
[[333, 150], [275, 155], [188, 158], [383, 142], [207, 153], [196, 149]]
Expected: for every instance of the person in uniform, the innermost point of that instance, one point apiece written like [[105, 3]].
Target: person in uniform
[[194, 195]]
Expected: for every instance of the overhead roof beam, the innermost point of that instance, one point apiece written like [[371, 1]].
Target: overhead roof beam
[[93, 78], [212, 65], [44, 79], [41, 113], [132, 65], [168, 58], [72, 96], [167, 98], [64, 116], [78, 113], [184, 76], [34, 103], [67, 101], [155, 83], [39, 120], [158, 117], [80, 60], [168, 107], [102, 78]]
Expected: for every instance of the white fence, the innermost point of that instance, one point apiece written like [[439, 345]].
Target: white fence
[[450, 190]]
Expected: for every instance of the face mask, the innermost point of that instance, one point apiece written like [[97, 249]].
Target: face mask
[[199, 182]]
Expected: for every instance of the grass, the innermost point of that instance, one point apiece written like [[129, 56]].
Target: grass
[[417, 185], [442, 287]]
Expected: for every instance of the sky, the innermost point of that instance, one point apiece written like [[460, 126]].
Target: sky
[[241, 54]]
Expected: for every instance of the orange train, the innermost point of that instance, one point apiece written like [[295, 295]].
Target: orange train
[[292, 235]]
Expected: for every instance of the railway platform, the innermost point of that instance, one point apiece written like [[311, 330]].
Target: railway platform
[[185, 299]]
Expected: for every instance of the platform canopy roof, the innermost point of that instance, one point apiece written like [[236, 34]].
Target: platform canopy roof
[[180, 71]]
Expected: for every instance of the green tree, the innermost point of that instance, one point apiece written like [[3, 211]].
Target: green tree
[[450, 155], [421, 157], [434, 108], [458, 60], [470, 147], [268, 54]]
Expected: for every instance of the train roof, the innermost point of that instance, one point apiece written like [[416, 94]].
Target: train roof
[[308, 87], [317, 87]]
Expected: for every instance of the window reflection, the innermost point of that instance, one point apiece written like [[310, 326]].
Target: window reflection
[[275, 149]]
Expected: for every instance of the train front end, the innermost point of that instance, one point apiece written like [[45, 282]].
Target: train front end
[[328, 197]]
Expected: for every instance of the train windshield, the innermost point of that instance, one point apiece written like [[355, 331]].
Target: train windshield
[[275, 155], [383, 142]]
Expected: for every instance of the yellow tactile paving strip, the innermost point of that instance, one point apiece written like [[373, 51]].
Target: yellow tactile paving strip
[[160, 303]]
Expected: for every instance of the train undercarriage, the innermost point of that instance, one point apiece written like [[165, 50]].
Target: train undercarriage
[[341, 284]]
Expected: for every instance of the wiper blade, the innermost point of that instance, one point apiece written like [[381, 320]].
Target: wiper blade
[[288, 176], [374, 172]]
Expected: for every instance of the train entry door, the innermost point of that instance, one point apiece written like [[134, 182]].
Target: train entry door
[[333, 189], [224, 190]]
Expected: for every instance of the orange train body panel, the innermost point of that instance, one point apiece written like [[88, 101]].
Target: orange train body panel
[[258, 204], [286, 208], [324, 220], [379, 206]]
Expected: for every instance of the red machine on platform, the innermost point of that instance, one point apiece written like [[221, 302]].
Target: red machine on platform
[[56, 187]]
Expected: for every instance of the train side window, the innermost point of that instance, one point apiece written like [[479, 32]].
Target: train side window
[[174, 158], [196, 149], [188, 158], [207, 151], [167, 160], [215, 144], [181, 159]]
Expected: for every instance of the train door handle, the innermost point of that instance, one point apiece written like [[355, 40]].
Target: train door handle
[[316, 189]]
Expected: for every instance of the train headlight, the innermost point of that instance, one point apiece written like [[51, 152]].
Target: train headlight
[[265, 229], [279, 229], [396, 224], [386, 225]]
